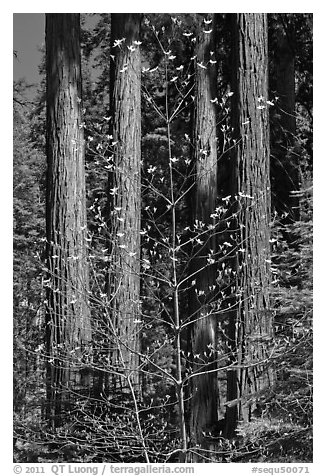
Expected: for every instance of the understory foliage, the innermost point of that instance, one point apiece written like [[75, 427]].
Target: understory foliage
[[143, 424]]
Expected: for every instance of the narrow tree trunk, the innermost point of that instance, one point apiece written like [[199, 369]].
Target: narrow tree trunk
[[124, 197], [285, 160], [285, 72], [251, 323], [68, 329], [204, 391]]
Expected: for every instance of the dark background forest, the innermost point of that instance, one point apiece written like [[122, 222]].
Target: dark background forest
[[162, 181]]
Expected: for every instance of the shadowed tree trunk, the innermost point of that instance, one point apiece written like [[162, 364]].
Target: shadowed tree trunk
[[285, 72], [124, 198], [204, 390], [250, 329], [285, 162], [68, 329]]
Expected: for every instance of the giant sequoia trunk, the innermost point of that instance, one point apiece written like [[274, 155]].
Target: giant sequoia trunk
[[68, 328], [124, 199], [204, 390], [251, 325]]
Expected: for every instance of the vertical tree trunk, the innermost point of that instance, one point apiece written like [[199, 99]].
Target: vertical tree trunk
[[285, 165], [124, 196], [204, 391], [285, 72], [68, 329], [251, 324]]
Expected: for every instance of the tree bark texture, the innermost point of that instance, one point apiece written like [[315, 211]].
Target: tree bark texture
[[251, 323], [124, 197], [204, 391], [68, 329]]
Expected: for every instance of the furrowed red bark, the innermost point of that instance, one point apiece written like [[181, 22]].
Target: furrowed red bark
[[251, 322], [68, 328], [124, 198]]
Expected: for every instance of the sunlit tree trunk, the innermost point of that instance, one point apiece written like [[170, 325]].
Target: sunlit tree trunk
[[124, 198], [204, 389], [251, 323], [68, 330]]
